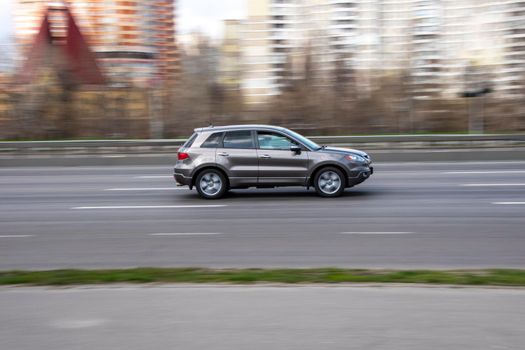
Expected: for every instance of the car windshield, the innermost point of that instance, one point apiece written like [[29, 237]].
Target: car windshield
[[304, 140]]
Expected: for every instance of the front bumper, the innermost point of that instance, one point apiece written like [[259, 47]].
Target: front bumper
[[359, 175]]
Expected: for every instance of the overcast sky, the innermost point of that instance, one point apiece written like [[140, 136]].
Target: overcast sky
[[202, 15], [5, 18], [207, 15]]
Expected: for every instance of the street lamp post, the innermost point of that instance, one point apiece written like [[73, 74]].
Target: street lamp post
[[477, 84], [476, 116]]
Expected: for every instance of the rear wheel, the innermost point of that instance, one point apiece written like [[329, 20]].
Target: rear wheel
[[211, 184], [329, 182]]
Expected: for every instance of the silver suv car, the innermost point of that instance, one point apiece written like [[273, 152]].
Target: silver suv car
[[216, 159]]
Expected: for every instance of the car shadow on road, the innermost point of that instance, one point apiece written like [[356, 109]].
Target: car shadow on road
[[287, 194]]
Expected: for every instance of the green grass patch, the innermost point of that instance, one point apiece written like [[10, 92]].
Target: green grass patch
[[492, 277]]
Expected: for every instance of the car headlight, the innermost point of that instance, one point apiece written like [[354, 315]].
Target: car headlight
[[355, 158]]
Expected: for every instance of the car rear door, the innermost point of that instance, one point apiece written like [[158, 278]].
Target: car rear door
[[277, 163], [237, 154]]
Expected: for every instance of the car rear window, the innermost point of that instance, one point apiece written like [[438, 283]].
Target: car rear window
[[213, 141], [190, 141], [238, 139]]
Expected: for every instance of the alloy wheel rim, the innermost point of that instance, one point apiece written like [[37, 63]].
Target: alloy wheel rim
[[210, 184], [329, 182]]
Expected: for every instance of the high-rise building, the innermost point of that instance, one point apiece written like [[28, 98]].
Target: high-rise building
[[511, 80], [7, 55], [230, 56], [440, 47], [133, 40], [200, 58], [258, 79], [336, 36], [456, 46]]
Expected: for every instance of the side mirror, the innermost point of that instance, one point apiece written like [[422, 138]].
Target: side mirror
[[296, 149]]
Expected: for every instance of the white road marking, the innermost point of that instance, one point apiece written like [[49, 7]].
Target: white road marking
[[187, 234], [78, 324], [509, 203], [16, 236], [493, 185], [149, 207], [484, 172], [147, 189], [154, 177], [376, 233]]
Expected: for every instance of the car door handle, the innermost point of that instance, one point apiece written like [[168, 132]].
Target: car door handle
[[265, 156], [223, 154]]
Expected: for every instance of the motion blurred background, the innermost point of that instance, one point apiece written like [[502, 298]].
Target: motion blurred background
[[159, 68]]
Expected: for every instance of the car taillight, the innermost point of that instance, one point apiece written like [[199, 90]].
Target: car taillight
[[182, 155]]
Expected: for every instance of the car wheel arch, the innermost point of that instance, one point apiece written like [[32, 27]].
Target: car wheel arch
[[209, 167], [321, 166]]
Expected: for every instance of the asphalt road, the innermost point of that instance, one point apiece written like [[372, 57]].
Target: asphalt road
[[408, 215], [302, 318]]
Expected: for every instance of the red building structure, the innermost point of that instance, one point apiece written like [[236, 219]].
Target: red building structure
[[60, 46]]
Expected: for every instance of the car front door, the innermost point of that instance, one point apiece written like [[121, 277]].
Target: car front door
[[278, 164], [237, 154]]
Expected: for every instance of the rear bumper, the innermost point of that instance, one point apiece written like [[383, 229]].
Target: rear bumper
[[181, 179]]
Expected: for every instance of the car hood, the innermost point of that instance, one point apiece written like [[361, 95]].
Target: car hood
[[343, 151]]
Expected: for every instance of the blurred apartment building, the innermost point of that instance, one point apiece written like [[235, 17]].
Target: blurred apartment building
[[230, 56], [200, 58], [134, 40], [438, 48], [270, 37], [7, 55]]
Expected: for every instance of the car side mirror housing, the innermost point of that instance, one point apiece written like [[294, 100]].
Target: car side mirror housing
[[296, 149]]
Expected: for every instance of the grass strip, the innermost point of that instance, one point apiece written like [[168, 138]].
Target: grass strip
[[490, 277]]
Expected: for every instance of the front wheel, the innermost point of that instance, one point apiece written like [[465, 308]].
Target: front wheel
[[329, 182], [211, 184]]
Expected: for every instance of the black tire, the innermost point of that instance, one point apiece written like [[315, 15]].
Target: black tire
[[334, 182], [211, 184]]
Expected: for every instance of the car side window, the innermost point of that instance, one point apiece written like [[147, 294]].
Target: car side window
[[271, 140], [213, 141], [238, 139]]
